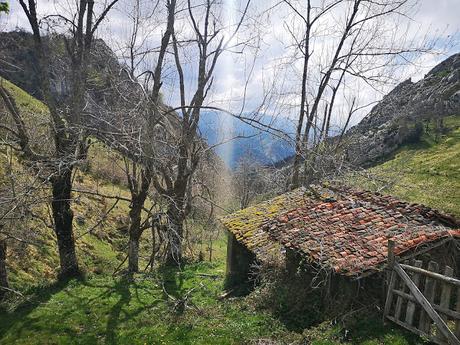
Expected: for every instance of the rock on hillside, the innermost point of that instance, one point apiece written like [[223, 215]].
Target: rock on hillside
[[399, 117], [18, 64]]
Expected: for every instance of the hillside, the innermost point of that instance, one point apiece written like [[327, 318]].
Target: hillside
[[400, 116], [426, 172], [168, 306], [99, 247]]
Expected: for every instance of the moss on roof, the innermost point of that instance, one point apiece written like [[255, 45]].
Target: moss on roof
[[342, 229], [247, 224]]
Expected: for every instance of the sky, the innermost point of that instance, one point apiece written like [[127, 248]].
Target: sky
[[264, 77]]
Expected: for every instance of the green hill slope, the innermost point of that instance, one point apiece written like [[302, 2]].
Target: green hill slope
[[100, 235], [168, 306], [427, 172]]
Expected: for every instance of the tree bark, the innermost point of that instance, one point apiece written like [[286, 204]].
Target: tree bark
[[295, 183], [63, 217], [175, 233], [134, 235], [3, 272], [133, 253]]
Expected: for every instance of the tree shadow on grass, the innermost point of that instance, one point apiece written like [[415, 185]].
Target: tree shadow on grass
[[174, 293], [36, 296], [119, 313], [123, 292], [122, 288], [173, 282]]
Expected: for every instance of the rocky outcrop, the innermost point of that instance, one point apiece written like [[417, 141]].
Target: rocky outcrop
[[18, 61], [400, 116]]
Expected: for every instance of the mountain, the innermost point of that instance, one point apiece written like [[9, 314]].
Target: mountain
[[426, 172], [234, 138], [401, 116]]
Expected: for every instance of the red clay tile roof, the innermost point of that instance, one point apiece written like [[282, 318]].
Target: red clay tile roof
[[346, 231], [350, 235]]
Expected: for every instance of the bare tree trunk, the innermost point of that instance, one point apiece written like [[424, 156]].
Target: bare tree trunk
[[3, 272], [138, 196], [175, 232], [133, 253], [303, 100], [134, 236], [63, 217]]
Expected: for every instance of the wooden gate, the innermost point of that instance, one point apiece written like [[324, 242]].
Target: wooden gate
[[433, 313]]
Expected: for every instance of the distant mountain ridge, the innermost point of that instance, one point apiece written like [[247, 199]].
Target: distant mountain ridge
[[234, 139], [17, 65]]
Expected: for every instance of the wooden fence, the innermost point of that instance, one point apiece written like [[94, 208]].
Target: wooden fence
[[423, 300]]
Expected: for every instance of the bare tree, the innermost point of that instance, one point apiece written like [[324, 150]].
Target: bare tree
[[135, 122], [67, 113], [345, 41], [249, 179], [209, 42]]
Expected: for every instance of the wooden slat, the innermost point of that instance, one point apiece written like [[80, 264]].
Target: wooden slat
[[453, 314], [452, 339], [431, 274], [428, 292], [457, 308], [389, 299], [411, 305], [399, 301], [444, 303]]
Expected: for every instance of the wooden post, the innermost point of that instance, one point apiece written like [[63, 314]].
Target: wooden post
[[411, 305], [457, 308], [428, 292], [391, 253], [391, 279]]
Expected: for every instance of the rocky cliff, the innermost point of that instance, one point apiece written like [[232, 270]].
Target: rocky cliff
[[400, 117]]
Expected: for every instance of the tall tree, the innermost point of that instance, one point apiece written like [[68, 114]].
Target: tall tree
[[340, 42], [209, 42], [67, 115]]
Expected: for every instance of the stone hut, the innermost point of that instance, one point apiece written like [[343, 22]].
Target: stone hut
[[343, 233]]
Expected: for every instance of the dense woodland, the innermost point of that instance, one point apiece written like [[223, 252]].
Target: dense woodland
[[111, 194]]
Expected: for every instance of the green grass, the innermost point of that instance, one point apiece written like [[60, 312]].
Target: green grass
[[427, 172], [366, 329], [102, 309], [106, 310]]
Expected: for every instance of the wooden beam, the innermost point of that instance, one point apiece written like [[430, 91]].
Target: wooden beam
[[427, 306], [457, 308], [430, 285], [391, 253], [446, 291], [389, 299], [433, 275]]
